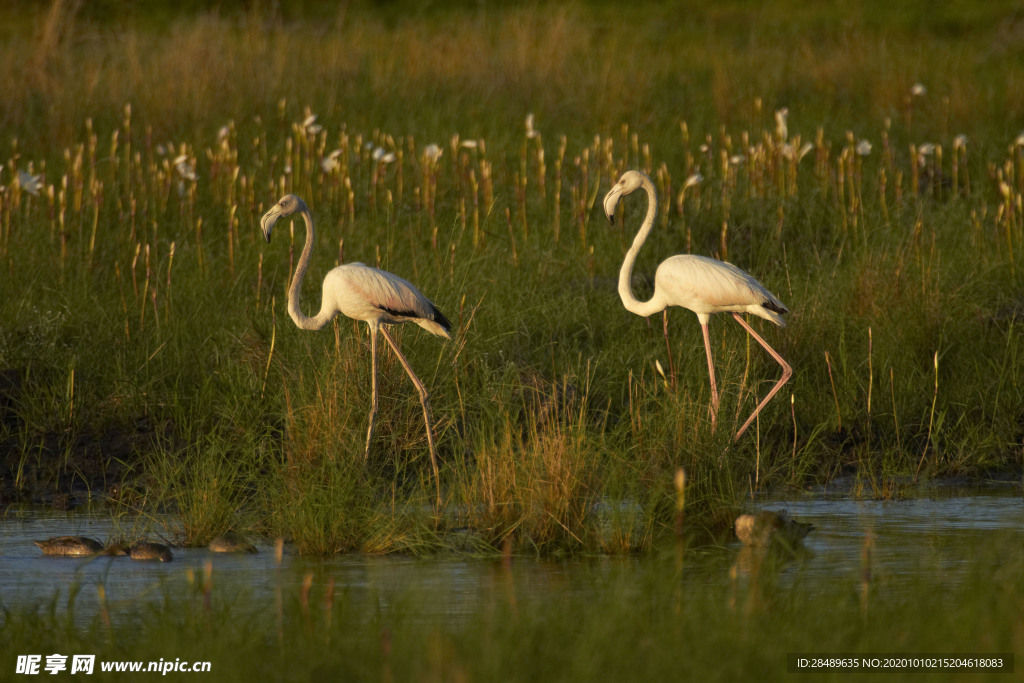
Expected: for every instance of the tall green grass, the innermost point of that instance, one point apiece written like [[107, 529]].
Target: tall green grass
[[141, 307]]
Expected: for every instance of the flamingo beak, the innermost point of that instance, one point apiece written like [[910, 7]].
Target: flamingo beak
[[611, 200], [268, 220]]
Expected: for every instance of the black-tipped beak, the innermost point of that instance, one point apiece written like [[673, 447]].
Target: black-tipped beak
[[267, 222], [611, 201]]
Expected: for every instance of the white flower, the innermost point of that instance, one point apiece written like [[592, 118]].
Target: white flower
[[960, 141], [223, 133], [380, 155], [330, 162], [185, 169], [432, 152], [468, 144], [924, 150], [917, 90], [530, 132], [311, 126], [863, 148], [692, 181], [780, 123], [737, 159], [30, 183], [790, 152]]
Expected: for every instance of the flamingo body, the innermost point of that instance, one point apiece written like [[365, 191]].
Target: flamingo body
[[706, 285], [361, 292], [703, 285]]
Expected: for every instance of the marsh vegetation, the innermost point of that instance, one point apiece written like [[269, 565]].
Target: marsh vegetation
[[865, 163], [866, 167]]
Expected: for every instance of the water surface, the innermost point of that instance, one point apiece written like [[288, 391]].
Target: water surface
[[938, 535]]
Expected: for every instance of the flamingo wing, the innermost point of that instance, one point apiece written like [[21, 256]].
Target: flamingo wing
[[366, 293], [706, 285]]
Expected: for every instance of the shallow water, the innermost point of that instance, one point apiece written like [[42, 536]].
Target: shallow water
[[938, 535], [908, 536]]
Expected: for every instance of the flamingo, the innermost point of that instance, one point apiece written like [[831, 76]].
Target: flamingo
[[374, 296], [703, 285]]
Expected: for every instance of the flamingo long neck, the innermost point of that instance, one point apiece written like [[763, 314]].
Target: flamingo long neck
[[652, 305], [295, 290]]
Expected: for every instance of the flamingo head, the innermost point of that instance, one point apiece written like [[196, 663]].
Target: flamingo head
[[286, 206], [629, 182]]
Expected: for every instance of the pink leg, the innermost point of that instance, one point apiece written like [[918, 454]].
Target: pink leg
[[711, 374], [668, 348], [373, 391], [425, 402], [787, 372]]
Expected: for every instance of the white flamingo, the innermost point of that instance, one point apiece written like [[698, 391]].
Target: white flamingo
[[703, 285], [363, 293]]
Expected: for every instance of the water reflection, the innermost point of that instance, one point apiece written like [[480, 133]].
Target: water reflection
[[938, 535]]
